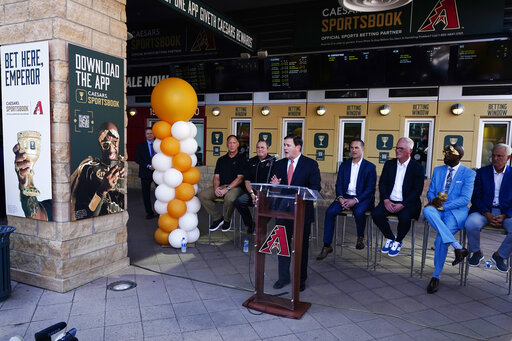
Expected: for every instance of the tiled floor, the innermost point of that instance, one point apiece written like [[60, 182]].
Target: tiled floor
[[199, 295]]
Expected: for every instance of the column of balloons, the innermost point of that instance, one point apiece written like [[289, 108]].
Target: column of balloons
[[174, 101]]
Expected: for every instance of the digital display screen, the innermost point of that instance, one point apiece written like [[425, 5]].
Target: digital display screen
[[487, 61], [194, 74], [236, 75], [341, 70], [289, 72]]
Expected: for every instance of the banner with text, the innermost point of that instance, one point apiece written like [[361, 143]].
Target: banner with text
[[26, 130], [96, 105]]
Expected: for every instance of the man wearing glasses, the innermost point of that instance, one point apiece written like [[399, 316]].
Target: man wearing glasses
[[449, 195], [400, 187]]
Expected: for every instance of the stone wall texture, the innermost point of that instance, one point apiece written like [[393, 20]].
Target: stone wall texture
[[62, 255]]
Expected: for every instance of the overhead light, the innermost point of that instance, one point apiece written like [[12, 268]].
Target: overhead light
[[216, 111], [384, 110], [321, 110], [457, 109], [262, 54], [372, 5], [265, 110], [245, 55], [132, 112]]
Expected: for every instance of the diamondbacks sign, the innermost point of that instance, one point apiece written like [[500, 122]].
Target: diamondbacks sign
[[276, 240]]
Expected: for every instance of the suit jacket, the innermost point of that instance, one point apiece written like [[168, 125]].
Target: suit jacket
[[412, 187], [306, 174], [143, 159], [483, 193], [366, 181], [459, 194]]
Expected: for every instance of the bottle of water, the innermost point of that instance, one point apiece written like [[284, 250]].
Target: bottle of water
[[488, 264], [246, 245], [183, 245]]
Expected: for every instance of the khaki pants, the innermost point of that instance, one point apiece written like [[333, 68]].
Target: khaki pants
[[207, 197]]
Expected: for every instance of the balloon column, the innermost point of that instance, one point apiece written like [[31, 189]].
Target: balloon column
[[174, 101]]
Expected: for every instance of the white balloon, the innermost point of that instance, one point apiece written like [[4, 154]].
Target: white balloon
[[176, 236], [196, 188], [180, 130], [160, 207], [193, 236], [193, 129], [161, 162], [156, 145], [193, 205], [194, 159], [173, 177], [164, 193], [188, 222], [158, 177], [188, 146]]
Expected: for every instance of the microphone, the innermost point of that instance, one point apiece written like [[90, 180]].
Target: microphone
[[268, 158]]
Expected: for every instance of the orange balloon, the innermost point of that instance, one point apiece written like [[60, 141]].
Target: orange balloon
[[192, 176], [185, 192], [162, 237], [167, 223], [173, 99], [176, 208], [182, 162], [161, 130], [170, 146]]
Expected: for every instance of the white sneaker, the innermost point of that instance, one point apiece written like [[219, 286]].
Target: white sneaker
[[387, 246]]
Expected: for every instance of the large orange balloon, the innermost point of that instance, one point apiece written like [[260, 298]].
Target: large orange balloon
[[192, 176], [182, 162], [162, 237], [185, 192], [173, 99], [176, 208], [167, 223], [170, 146], [161, 130]]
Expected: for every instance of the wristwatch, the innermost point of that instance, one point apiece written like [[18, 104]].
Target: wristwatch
[[228, 187]]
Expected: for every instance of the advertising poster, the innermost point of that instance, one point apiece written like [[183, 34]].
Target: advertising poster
[[96, 105], [26, 130]]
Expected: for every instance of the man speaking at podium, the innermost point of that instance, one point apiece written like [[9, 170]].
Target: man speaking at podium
[[296, 170]]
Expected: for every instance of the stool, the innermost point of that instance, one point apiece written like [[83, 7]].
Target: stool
[[232, 223], [394, 218], [426, 234], [508, 277], [369, 233]]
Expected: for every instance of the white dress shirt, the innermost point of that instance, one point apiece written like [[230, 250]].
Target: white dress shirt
[[455, 169], [498, 178], [354, 172], [295, 161], [401, 168]]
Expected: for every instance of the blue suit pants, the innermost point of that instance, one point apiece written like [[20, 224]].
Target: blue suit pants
[[474, 224], [330, 218]]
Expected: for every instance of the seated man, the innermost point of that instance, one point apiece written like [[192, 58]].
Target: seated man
[[492, 204], [227, 178], [448, 195], [257, 171], [355, 190], [400, 187]]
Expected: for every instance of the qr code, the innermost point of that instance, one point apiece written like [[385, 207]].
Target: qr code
[[83, 121]]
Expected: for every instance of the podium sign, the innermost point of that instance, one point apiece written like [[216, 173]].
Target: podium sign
[[285, 203]]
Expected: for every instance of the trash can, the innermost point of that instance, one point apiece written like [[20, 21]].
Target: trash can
[[5, 261]]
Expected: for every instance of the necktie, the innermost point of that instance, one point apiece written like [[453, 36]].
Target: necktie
[[152, 150], [290, 172], [448, 180]]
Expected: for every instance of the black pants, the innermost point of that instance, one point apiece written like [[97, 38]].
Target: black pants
[[146, 194], [379, 216], [284, 262]]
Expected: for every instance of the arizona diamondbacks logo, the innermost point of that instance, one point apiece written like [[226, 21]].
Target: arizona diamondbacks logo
[[445, 11], [276, 240]]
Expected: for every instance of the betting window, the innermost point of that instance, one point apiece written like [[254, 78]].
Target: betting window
[[421, 131], [293, 126], [490, 133], [350, 129], [242, 130]]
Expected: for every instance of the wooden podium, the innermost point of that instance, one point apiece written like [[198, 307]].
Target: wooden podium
[[270, 199]]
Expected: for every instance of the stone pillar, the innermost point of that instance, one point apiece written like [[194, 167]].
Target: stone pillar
[[62, 255]]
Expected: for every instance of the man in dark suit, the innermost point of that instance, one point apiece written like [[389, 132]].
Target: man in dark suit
[[143, 156], [296, 170], [400, 187], [449, 195], [492, 204], [355, 191]]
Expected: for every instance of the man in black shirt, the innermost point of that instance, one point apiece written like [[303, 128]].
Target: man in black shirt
[[227, 178], [257, 171]]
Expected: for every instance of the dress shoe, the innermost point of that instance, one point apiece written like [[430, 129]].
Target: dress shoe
[[279, 284], [433, 286], [460, 254], [302, 286], [360, 243], [325, 251]]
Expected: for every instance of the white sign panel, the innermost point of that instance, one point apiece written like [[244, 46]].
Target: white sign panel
[[25, 73]]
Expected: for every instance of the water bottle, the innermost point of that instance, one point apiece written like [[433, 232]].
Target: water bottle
[[488, 264], [246, 245], [183, 245]]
